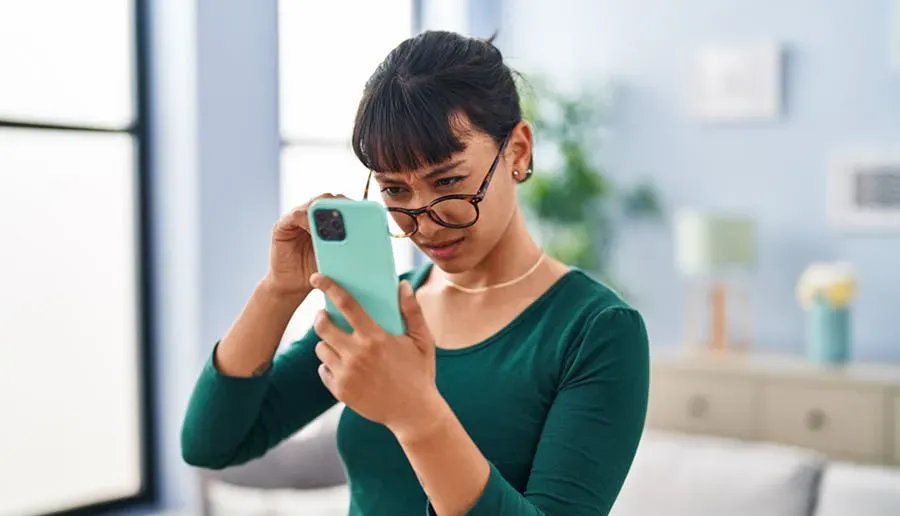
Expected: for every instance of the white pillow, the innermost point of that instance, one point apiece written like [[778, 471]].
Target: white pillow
[[229, 500], [850, 489], [681, 475]]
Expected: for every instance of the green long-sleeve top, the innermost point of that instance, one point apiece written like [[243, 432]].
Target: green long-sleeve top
[[555, 401]]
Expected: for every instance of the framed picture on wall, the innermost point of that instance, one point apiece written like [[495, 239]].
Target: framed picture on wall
[[736, 83], [864, 191]]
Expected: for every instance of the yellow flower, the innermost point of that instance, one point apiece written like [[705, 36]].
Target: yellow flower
[[840, 294], [835, 283]]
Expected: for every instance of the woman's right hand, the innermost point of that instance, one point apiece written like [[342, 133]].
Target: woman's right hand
[[291, 258]]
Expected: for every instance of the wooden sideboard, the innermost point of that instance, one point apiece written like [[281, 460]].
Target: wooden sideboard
[[850, 413]]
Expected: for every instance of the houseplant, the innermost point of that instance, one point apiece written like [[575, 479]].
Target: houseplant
[[571, 201]]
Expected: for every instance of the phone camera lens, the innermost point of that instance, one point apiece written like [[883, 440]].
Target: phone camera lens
[[330, 225]]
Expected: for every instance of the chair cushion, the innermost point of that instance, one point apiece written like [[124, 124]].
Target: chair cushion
[[859, 491], [307, 460], [302, 475], [681, 475]]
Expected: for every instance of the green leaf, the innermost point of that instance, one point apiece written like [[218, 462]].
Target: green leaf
[[572, 245], [576, 205], [643, 202]]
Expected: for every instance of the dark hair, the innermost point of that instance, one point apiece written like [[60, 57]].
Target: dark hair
[[411, 108]]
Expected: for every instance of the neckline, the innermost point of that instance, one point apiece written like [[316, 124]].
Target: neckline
[[422, 275]]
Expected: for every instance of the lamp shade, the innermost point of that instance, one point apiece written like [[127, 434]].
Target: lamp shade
[[709, 243]]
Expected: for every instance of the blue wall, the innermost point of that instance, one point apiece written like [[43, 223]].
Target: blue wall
[[840, 92], [214, 151]]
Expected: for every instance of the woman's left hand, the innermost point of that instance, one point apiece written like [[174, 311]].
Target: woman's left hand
[[388, 379]]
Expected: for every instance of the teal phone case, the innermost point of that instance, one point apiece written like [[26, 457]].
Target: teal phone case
[[362, 263]]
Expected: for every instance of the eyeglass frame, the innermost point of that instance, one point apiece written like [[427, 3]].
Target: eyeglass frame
[[473, 199]]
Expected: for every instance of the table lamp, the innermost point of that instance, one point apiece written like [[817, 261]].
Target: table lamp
[[713, 251]]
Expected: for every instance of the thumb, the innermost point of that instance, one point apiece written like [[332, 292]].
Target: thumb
[[412, 314]]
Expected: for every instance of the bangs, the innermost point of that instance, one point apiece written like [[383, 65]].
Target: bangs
[[401, 127]]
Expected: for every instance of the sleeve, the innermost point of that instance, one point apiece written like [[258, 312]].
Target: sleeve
[[231, 420], [592, 430]]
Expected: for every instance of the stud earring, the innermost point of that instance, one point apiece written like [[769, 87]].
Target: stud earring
[[516, 174]]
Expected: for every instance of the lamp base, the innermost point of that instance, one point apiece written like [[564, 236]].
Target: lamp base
[[716, 306]]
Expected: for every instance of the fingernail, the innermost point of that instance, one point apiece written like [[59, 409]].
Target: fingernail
[[406, 288], [315, 279]]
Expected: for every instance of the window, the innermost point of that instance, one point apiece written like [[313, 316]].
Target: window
[[72, 341], [327, 51]]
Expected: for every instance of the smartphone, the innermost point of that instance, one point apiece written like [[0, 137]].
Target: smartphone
[[352, 245]]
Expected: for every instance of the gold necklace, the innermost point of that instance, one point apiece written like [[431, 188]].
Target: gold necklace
[[476, 290]]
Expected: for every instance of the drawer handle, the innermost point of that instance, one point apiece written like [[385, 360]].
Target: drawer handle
[[816, 420], [697, 406]]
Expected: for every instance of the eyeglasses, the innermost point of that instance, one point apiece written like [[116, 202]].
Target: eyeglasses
[[454, 211]]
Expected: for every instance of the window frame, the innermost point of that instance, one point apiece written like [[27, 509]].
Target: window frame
[[137, 129]]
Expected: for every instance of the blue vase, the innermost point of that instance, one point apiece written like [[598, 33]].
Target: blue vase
[[828, 333]]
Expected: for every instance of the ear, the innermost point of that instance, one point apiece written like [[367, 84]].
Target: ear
[[519, 149]]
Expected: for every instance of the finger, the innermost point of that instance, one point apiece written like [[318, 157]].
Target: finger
[[327, 355], [348, 306], [287, 228], [336, 338], [326, 376], [416, 327]]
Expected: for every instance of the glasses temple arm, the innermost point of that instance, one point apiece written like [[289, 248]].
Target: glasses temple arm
[[487, 179], [368, 182]]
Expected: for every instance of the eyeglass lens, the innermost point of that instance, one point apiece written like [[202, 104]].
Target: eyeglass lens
[[454, 213]]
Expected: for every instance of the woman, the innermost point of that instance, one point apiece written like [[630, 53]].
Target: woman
[[521, 385]]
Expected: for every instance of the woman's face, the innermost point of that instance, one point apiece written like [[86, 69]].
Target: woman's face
[[458, 250]]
